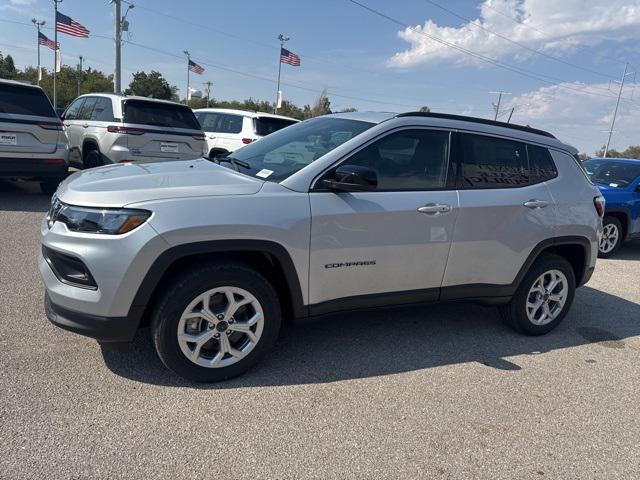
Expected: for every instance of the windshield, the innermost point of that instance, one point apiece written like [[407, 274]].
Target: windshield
[[286, 151], [612, 174]]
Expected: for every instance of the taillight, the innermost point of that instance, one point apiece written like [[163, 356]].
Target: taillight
[[53, 161], [246, 141], [127, 130], [199, 136], [51, 125], [125, 161], [599, 203]]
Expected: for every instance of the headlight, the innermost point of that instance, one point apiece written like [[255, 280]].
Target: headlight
[[108, 221]]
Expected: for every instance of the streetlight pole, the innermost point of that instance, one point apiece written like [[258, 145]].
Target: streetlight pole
[[117, 86], [186, 99], [38, 24], [208, 84], [80, 75], [282, 39]]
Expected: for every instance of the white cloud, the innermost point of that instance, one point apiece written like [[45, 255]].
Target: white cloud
[[580, 119], [551, 25]]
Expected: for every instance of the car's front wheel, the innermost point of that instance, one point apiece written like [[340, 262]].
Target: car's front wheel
[[544, 296], [611, 237], [216, 322]]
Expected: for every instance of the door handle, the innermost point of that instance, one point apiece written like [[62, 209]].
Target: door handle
[[435, 208], [67, 124], [86, 125], [536, 204]]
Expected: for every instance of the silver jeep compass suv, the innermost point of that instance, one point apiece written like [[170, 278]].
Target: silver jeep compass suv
[[106, 128], [335, 213]]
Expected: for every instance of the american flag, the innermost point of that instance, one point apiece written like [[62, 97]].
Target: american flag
[[46, 41], [195, 68], [289, 58], [69, 26]]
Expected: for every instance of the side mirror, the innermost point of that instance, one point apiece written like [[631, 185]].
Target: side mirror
[[638, 188], [352, 178]]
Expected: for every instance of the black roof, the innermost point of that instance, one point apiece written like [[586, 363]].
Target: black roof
[[485, 121]]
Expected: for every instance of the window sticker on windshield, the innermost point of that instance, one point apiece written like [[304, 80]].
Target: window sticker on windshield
[[614, 185], [264, 173]]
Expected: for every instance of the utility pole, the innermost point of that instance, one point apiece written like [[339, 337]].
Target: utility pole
[[117, 86], [57, 53], [208, 84], [80, 75], [282, 39], [510, 115], [186, 52], [38, 24], [496, 107], [615, 111]]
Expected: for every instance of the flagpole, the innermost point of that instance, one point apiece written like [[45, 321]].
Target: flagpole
[[186, 98], [282, 39], [55, 56]]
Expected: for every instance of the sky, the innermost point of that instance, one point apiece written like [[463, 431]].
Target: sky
[[559, 62]]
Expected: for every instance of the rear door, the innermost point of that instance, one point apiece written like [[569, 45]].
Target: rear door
[[162, 130], [28, 123], [230, 129], [506, 209]]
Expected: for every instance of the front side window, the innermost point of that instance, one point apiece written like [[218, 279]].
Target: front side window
[[491, 162], [74, 109], [87, 108], [209, 121], [407, 160], [612, 174], [281, 154], [159, 114]]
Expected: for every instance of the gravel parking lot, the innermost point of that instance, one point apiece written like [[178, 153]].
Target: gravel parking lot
[[442, 391]]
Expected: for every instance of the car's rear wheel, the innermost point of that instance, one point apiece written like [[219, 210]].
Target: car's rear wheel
[[216, 322], [611, 236], [543, 297], [93, 159]]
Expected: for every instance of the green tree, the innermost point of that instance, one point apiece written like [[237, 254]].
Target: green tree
[[152, 85], [321, 106], [8, 68], [424, 109]]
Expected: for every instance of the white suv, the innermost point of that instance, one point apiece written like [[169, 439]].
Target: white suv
[[228, 130], [106, 128]]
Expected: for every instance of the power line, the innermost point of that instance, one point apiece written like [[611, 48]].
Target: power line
[[533, 50], [577, 47], [512, 68]]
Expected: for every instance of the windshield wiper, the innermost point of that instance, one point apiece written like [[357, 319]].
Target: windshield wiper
[[233, 161]]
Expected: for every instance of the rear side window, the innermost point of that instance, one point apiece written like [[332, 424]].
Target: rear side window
[[230, 124], [159, 114], [19, 100], [266, 125], [493, 162], [103, 111], [541, 164]]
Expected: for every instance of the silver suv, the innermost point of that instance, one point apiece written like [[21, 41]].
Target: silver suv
[[33, 145], [336, 213], [106, 128]]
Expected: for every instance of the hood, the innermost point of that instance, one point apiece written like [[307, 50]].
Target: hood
[[125, 183]]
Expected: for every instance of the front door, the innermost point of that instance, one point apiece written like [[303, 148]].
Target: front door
[[391, 244]]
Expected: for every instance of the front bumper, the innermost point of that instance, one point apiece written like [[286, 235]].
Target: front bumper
[[103, 329]]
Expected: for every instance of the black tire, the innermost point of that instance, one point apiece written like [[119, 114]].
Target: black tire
[[50, 186], [612, 222], [515, 313], [178, 295], [93, 159]]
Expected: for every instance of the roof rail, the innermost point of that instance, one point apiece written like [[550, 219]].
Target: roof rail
[[485, 121]]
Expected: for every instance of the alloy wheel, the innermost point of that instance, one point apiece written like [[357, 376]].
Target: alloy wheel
[[609, 238], [547, 297], [220, 327]]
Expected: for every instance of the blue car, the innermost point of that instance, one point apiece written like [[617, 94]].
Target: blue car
[[619, 181]]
